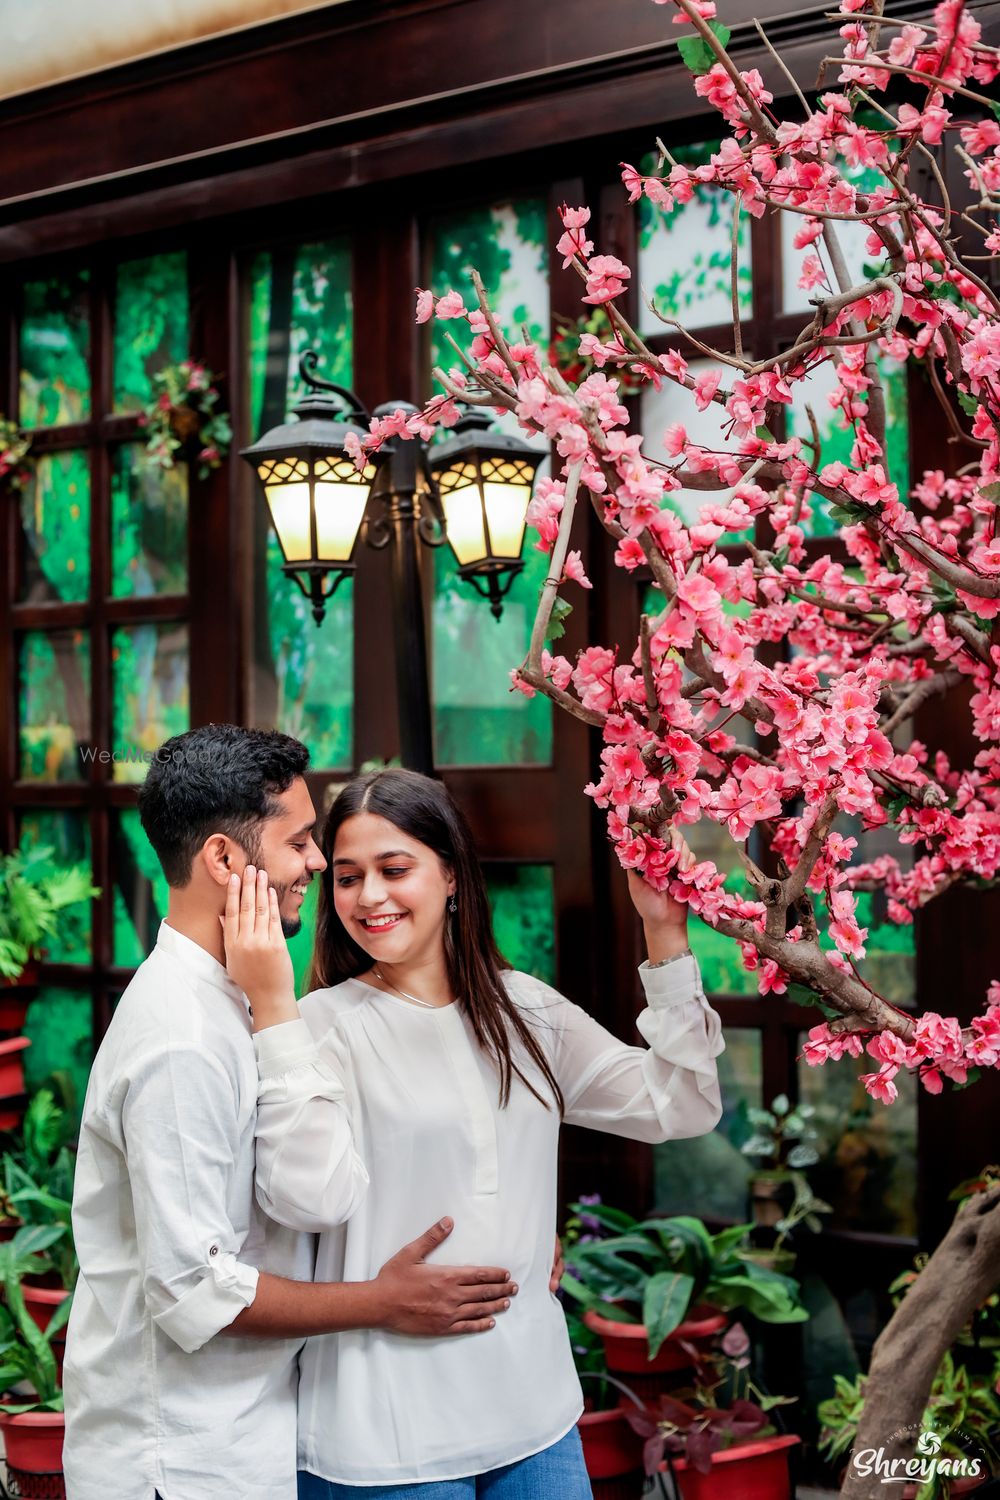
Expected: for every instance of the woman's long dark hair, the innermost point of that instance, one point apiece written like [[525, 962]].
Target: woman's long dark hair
[[423, 809]]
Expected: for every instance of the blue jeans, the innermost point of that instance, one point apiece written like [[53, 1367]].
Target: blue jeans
[[557, 1473]]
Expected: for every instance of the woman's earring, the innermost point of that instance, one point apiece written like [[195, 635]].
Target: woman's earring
[[452, 905]]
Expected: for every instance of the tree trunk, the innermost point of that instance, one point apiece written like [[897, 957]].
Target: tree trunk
[[960, 1275]]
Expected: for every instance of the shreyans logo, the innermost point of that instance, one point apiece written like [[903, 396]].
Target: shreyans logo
[[926, 1465]]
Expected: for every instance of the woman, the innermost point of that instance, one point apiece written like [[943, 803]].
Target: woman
[[457, 1073]]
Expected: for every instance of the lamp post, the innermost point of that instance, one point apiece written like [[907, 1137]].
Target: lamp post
[[471, 491]]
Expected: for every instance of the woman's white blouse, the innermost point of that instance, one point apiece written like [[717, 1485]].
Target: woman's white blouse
[[383, 1408]]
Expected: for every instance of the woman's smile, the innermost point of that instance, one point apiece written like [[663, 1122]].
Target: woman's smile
[[387, 922]]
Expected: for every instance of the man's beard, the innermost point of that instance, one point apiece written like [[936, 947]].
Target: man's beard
[[289, 925]]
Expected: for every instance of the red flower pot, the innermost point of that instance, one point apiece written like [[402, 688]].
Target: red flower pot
[[41, 1302], [753, 1471], [626, 1348], [15, 997], [12, 1067], [33, 1441], [613, 1455]]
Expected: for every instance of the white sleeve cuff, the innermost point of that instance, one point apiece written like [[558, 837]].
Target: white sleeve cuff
[[211, 1304], [283, 1047], [672, 983]]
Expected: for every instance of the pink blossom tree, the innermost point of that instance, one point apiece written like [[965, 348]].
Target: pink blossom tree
[[912, 615]]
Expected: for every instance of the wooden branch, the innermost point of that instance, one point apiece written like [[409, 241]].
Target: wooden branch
[[963, 1271], [557, 561]]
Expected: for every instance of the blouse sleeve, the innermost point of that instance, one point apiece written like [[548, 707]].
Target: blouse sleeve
[[666, 1091], [309, 1175]]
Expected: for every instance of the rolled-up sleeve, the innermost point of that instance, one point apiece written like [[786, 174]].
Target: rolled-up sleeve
[[668, 1090], [180, 1123], [309, 1175]]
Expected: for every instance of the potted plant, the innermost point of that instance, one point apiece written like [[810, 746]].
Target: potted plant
[[12, 1095], [32, 894], [784, 1142], [963, 1413], [805, 1210], [658, 1290], [31, 1411], [716, 1438], [611, 1449]]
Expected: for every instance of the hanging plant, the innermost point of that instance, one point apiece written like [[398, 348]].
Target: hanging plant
[[182, 420], [585, 344], [14, 445]]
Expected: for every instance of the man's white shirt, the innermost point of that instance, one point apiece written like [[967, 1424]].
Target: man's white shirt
[[170, 1241]]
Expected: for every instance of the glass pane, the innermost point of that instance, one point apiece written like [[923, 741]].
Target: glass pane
[[151, 324], [139, 890], [61, 1027], [478, 721], [837, 436], [55, 351], [67, 834], [303, 684], [149, 511], [507, 243], [685, 253], [522, 899], [868, 1167], [54, 704], [300, 298], [708, 1176], [149, 693], [852, 236], [55, 516]]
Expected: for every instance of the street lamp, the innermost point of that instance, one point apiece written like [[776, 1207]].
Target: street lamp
[[472, 491]]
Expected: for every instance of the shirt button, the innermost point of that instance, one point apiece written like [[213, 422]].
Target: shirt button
[[214, 1250]]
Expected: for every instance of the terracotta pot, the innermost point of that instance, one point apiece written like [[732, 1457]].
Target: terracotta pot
[[753, 1471], [9, 1227], [626, 1348], [771, 1195], [782, 1261], [15, 997], [33, 1441], [613, 1455], [42, 1301], [12, 1066]]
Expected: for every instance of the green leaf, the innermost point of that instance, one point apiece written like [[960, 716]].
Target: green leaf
[[611, 1218], [561, 612], [725, 1242], [845, 516], [799, 994], [696, 53], [968, 403], [991, 492], [995, 107], [667, 1299]]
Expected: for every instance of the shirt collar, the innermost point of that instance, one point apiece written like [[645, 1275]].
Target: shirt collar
[[197, 961]]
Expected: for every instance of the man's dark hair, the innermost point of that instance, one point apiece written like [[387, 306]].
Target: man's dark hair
[[217, 779]]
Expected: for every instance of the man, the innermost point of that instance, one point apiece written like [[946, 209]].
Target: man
[[181, 1362]]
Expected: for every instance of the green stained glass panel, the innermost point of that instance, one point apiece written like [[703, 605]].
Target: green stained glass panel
[[837, 438], [299, 298], [685, 253], [522, 899], [53, 704], [507, 243], [61, 1028], [67, 834], [303, 674], [149, 515], [151, 324], [149, 693], [55, 518], [55, 351], [868, 1166], [139, 890], [708, 1176], [478, 720]]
